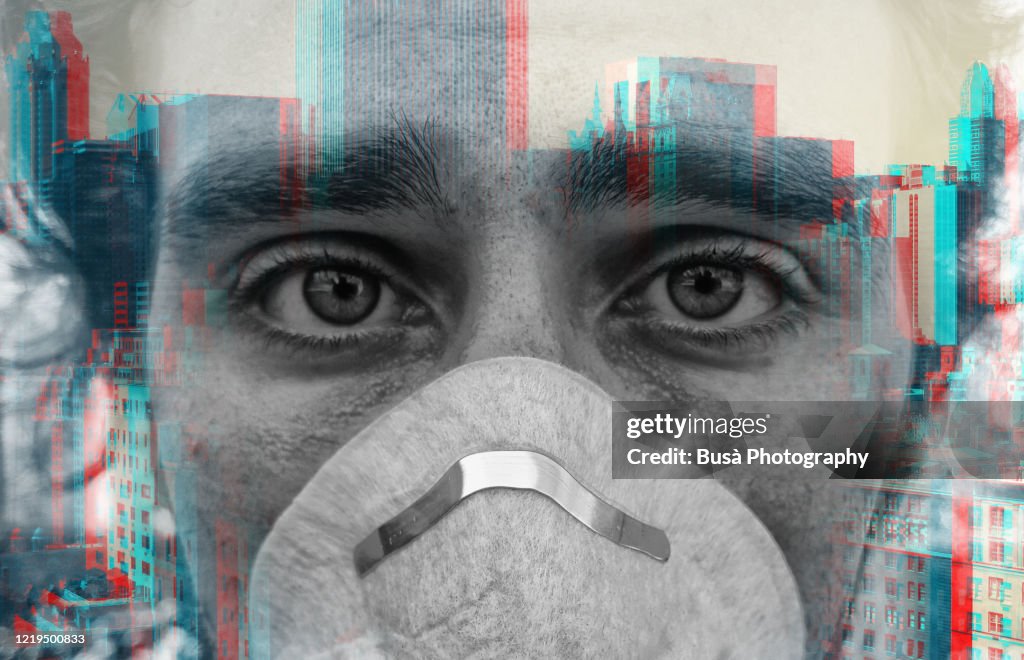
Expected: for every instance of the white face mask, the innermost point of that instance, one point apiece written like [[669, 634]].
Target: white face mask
[[510, 571]]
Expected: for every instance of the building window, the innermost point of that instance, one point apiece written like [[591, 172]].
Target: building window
[[869, 640], [920, 591], [911, 591], [869, 613], [920, 620], [849, 608], [920, 649], [892, 590], [890, 644], [995, 552], [977, 554], [847, 635], [995, 517], [975, 516], [995, 622], [890, 616]]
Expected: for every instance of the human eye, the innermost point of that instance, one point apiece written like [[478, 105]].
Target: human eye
[[718, 296], [330, 296]]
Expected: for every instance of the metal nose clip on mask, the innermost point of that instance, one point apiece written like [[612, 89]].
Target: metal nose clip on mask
[[518, 470]]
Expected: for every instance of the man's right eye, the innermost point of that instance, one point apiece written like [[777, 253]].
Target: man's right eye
[[327, 296]]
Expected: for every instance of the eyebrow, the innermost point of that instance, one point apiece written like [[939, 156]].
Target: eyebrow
[[788, 180], [397, 166], [403, 165]]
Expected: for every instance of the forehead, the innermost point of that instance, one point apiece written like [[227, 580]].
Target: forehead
[[470, 68], [390, 55], [885, 75], [401, 53]]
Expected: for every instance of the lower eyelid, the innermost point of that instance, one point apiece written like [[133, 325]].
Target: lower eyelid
[[352, 349], [712, 343]]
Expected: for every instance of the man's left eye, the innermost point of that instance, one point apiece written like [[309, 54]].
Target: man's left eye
[[718, 295], [327, 298], [708, 292]]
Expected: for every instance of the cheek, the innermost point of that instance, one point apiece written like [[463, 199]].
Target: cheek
[[256, 438], [811, 368]]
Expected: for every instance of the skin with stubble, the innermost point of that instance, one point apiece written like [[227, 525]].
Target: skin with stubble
[[350, 423]]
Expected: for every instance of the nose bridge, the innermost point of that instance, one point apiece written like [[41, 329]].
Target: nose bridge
[[515, 307]]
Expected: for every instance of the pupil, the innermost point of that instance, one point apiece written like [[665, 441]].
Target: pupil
[[347, 286], [705, 283]]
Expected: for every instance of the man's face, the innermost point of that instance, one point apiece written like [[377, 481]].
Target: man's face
[[432, 245]]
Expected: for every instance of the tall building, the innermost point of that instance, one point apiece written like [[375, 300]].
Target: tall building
[[988, 571], [925, 249], [326, 69], [895, 591], [48, 76], [977, 138]]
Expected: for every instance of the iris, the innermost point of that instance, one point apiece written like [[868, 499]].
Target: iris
[[704, 291], [342, 297]]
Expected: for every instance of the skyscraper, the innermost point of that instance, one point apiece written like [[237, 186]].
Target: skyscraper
[[48, 75]]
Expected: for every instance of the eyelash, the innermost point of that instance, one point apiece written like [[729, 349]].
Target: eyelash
[[753, 336], [289, 258], [296, 342]]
